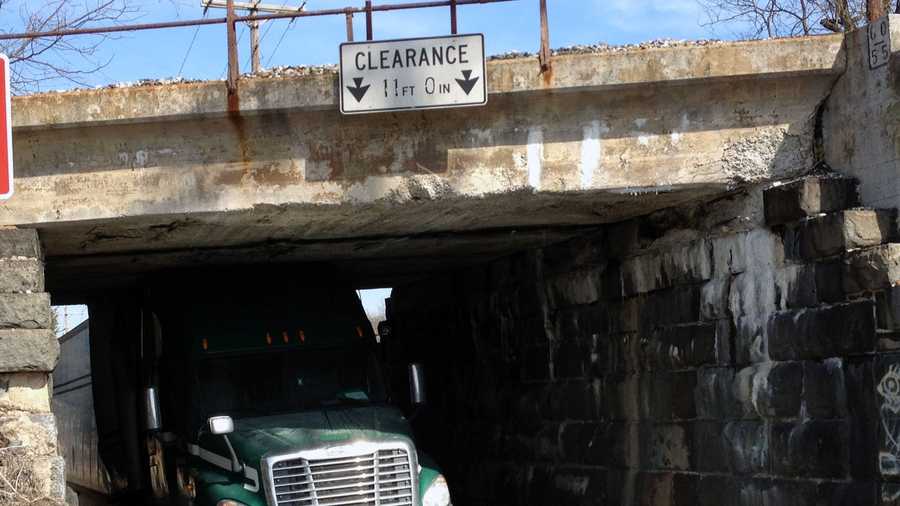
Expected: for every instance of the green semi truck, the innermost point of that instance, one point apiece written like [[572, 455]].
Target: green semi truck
[[254, 393]]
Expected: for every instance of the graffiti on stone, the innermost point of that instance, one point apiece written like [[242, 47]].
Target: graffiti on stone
[[890, 492], [889, 390]]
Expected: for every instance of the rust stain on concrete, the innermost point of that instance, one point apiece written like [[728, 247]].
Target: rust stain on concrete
[[547, 76], [234, 115]]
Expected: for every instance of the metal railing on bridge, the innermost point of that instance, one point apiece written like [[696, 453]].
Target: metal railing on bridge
[[275, 13]]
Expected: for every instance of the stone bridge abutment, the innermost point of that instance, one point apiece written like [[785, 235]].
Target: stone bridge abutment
[[739, 352], [31, 468]]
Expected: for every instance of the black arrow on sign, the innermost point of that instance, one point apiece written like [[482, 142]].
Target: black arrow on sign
[[467, 82], [358, 91]]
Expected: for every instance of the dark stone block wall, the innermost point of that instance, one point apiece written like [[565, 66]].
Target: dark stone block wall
[[740, 352]]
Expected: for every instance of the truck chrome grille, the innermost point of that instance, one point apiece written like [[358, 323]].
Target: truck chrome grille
[[380, 477]]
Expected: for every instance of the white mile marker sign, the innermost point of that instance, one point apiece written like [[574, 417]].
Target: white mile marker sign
[[410, 74]]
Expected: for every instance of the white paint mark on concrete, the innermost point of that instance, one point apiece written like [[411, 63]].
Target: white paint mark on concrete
[[590, 153], [140, 158], [535, 156], [482, 136], [520, 160], [685, 124], [760, 384], [402, 153], [601, 176], [644, 140], [576, 485], [754, 292]]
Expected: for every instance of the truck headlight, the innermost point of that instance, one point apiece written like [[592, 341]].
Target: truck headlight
[[438, 494], [229, 502]]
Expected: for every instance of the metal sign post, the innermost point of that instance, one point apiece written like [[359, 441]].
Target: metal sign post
[[411, 74], [234, 71], [6, 156]]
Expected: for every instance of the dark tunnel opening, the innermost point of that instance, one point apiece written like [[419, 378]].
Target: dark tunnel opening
[[713, 353]]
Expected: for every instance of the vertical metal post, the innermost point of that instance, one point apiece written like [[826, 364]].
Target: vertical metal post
[[349, 27], [545, 39], [453, 17], [369, 35], [254, 45], [234, 70]]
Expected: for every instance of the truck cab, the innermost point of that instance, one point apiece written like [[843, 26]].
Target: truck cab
[[273, 396]]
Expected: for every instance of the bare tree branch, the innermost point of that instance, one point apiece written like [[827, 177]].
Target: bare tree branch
[[35, 62], [788, 18]]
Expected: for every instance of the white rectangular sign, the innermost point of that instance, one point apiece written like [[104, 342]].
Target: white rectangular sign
[[409, 74]]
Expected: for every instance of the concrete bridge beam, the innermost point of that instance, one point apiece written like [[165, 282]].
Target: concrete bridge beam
[[170, 170]]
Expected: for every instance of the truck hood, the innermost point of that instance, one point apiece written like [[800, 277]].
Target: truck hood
[[255, 438]]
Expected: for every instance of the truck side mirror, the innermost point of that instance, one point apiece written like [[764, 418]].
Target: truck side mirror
[[152, 416], [221, 425], [417, 384]]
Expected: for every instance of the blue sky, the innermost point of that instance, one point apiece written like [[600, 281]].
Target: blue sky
[[314, 41]]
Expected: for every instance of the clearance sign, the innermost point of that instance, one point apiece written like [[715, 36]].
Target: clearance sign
[[410, 74], [6, 159]]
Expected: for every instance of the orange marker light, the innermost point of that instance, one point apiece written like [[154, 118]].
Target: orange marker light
[[302, 336], [359, 331], [205, 344], [284, 337], [268, 338]]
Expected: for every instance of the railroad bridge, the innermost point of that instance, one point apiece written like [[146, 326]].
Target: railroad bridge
[[656, 276]]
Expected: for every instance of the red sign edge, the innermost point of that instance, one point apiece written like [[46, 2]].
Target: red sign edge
[[8, 113]]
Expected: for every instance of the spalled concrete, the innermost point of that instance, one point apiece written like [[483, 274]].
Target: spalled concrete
[[172, 171]]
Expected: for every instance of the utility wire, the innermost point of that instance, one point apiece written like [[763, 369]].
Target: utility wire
[[286, 29], [270, 25], [269, 28], [249, 59], [264, 34], [191, 46]]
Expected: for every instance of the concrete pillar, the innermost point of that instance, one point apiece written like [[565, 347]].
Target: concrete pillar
[[30, 467], [861, 123]]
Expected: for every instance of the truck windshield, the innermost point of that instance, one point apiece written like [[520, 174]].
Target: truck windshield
[[269, 383]]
